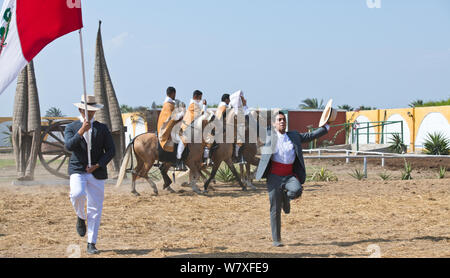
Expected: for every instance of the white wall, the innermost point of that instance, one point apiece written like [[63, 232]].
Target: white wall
[[397, 128], [433, 122], [362, 120]]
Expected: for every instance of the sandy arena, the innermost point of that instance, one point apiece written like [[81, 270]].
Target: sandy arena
[[348, 218]]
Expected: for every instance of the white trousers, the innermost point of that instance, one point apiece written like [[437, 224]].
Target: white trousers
[[176, 139], [82, 186]]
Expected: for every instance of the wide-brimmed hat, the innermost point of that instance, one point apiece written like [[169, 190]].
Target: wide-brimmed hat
[[92, 105], [328, 115]]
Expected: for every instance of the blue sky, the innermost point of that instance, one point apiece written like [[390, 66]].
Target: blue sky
[[277, 52]]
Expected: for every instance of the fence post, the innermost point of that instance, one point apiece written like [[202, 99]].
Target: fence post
[[365, 167], [402, 131], [357, 139], [382, 160], [347, 159], [368, 139]]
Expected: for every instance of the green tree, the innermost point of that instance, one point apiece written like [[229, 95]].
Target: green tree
[[416, 103], [345, 107], [126, 109], [362, 107], [312, 103], [54, 112]]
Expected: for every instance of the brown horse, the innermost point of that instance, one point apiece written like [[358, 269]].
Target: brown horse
[[145, 148], [224, 153]]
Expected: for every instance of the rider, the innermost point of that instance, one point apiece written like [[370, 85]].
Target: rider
[[239, 103], [166, 121], [219, 115], [196, 109]]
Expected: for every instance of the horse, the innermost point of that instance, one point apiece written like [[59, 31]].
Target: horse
[[224, 152], [145, 149]]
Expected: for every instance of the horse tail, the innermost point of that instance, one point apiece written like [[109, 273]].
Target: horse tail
[[123, 167]]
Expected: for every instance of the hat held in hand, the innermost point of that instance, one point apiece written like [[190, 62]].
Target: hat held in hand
[[92, 105], [328, 115]]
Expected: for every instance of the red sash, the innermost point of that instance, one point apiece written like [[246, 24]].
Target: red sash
[[281, 169]]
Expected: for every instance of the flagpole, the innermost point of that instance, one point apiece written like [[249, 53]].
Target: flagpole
[[85, 97]]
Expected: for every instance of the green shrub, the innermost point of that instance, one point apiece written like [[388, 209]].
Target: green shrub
[[384, 176], [437, 144], [357, 174], [397, 145], [442, 171], [323, 175], [225, 175], [406, 174]]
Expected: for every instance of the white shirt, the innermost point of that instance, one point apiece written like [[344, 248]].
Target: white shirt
[[284, 152], [88, 133], [199, 103], [222, 103], [170, 100], [178, 115]]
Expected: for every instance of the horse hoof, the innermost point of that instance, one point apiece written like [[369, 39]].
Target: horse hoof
[[169, 189], [136, 193], [155, 193], [244, 189], [205, 191]]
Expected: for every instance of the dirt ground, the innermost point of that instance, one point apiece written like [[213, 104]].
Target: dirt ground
[[347, 218]]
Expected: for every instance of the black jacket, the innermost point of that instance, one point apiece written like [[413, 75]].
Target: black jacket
[[297, 140], [102, 151]]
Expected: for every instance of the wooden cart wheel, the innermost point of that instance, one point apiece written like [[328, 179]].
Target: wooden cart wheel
[[52, 153]]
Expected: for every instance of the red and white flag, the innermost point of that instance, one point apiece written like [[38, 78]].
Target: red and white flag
[[27, 26]]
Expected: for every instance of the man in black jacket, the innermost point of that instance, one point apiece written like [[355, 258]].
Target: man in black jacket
[[283, 165], [88, 180]]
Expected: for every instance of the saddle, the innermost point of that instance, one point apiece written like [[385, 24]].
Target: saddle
[[171, 157]]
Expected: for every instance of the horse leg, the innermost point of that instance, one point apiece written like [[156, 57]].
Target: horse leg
[[249, 177], [243, 173], [136, 172], [235, 173], [167, 181], [194, 176], [211, 177]]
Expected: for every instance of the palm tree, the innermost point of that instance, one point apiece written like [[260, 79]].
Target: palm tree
[[345, 107], [54, 112], [416, 103], [312, 103], [362, 107]]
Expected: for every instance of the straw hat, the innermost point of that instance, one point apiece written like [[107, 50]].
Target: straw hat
[[328, 115], [92, 105]]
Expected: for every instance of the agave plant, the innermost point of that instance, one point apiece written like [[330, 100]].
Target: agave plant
[[384, 176], [323, 175], [397, 145], [225, 175], [358, 174], [442, 171], [406, 174], [437, 144]]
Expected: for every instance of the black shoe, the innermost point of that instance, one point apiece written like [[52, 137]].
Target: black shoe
[[180, 166], [81, 227], [286, 202], [91, 249]]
